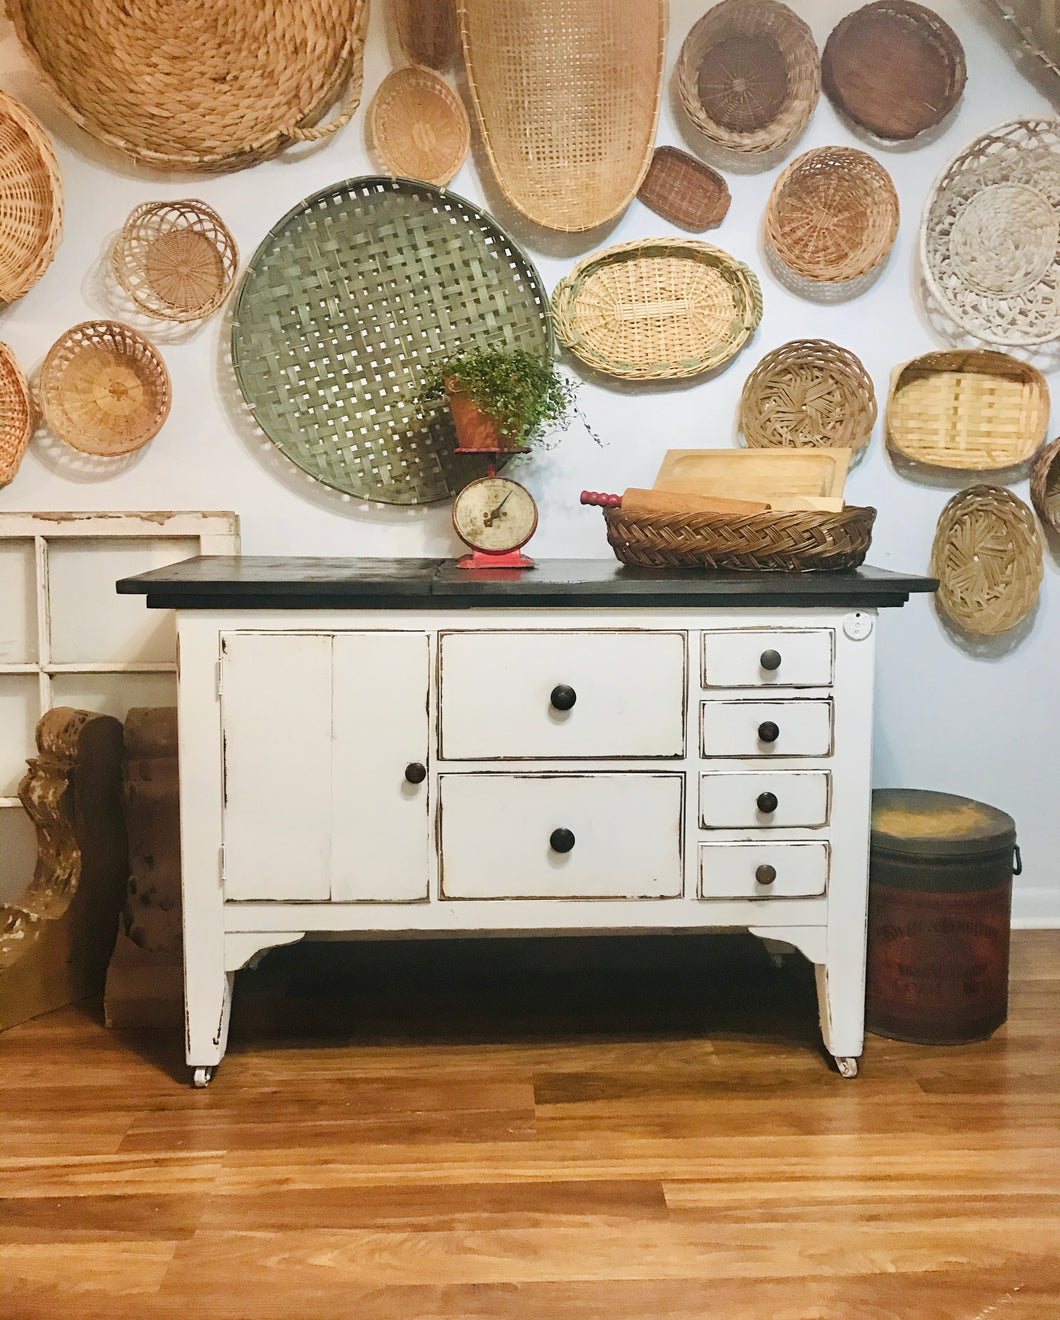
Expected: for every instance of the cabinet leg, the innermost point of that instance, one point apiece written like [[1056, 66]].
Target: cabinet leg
[[842, 1010], [208, 1003]]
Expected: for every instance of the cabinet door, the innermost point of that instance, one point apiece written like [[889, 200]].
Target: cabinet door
[[318, 729]]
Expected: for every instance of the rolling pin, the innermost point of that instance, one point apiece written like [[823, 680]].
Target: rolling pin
[[664, 501]]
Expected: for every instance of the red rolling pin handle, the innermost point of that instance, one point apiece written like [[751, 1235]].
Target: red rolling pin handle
[[600, 498]]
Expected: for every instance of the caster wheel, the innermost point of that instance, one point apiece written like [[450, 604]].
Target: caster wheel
[[203, 1076], [847, 1067]]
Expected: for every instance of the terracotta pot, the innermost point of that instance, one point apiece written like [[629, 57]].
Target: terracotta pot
[[475, 429]]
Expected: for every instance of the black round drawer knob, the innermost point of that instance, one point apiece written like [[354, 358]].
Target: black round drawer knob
[[765, 874], [415, 773], [769, 659], [767, 803], [563, 697], [768, 732], [561, 841]]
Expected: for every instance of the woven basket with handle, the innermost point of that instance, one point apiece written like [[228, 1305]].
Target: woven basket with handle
[[31, 200], [17, 414], [808, 394]]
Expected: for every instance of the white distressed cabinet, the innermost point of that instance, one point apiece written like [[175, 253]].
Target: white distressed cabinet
[[399, 746]]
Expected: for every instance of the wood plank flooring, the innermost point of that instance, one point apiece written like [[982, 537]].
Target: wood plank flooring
[[536, 1130]]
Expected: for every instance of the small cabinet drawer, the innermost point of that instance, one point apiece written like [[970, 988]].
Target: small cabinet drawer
[[762, 870], [763, 799], [561, 836], [765, 728], [559, 695], [768, 657]]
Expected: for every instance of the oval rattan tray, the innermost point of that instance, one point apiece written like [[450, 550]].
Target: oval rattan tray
[[31, 200], [657, 309], [17, 415], [426, 31], [684, 191], [412, 273], [176, 260], [418, 127], [808, 394], [1045, 485]]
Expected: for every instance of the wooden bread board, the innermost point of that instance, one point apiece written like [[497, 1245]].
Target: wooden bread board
[[774, 476]]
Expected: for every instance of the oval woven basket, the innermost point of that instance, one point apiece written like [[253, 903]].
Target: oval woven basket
[[31, 200], [176, 260], [657, 309], [684, 191], [214, 85], [567, 100], [757, 542], [426, 31], [990, 234], [808, 394], [832, 214], [17, 414], [748, 76], [987, 556], [894, 68], [104, 388], [418, 126], [1045, 485]]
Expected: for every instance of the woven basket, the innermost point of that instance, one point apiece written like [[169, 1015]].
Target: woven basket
[[684, 191], [426, 31], [749, 76], [567, 99], [17, 416], [1045, 485], [1037, 32], [31, 201], [104, 388], [215, 85], [990, 238], [808, 394], [967, 409], [756, 542], [832, 215], [176, 260], [894, 68], [657, 309], [418, 126], [987, 556]]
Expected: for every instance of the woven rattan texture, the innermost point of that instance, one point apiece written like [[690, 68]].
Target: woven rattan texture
[[418, 126], [104, 388], [1045, 485], [684, 191], [893, 67], [832, 214], [426, 31], [176, 260], [657, 309], [808, 394], [566, 94], [780, 542], [748, 76], [987, 556], [31, 200], [16, 414], [342, 309], [1036, 29], [974, 410], [213, 85], [990, 235]]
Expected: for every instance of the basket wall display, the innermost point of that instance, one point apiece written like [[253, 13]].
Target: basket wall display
[[426, 31], [894, 68], [1045, 485], [832, 215], [990, 234], [566, 95], [17, 415], [967, 409], [342, 309], [987, 556], [176, 260], [749, 77], [684, 191], [808, 394], [104, 388], [208, 86], [657, 309], [31, 201], [418, 126]]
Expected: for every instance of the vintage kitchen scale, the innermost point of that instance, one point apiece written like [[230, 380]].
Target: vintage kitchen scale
[[495, 517]]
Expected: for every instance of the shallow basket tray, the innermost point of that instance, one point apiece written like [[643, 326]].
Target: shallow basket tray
[[31, 201], [773, 542], [176, 260], [684, 191], [418, 127], [970, 409], [808, 394], [17, 415]]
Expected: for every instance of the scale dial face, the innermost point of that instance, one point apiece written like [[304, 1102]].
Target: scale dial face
[[494, 515]]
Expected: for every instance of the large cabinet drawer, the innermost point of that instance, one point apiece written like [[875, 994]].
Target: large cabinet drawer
[[764, 799], [768, 657]]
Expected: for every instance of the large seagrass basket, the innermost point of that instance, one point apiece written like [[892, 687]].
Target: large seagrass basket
[[808, 394], [17, 414], [31, 200]]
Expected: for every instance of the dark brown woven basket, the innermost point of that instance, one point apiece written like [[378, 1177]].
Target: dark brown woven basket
[[756, 542], [684, 191], [1045, 485]]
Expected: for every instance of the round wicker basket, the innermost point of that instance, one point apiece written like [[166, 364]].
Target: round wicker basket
[[749, 76], [1045, 485], [418, 126], [426, 31], [987, 556], [832, 215], [808, 394], [17, 414], [176, 260], [31, 201], [104, 388]]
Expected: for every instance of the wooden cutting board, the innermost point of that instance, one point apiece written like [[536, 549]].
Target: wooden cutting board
[[783, 478]]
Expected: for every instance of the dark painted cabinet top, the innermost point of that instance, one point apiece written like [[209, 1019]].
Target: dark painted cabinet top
[[260, 582]]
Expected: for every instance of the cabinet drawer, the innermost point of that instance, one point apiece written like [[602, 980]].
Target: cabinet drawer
[[502, 693], [732, 870], [768, 657], [765, 728], [745, 799], [502, 836]]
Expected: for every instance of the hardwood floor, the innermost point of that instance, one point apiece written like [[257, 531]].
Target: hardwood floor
[[571, 1130]]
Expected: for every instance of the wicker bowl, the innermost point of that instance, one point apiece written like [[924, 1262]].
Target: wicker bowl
[[832, 215], [426, 31], [31, 201], [808, 394], [684, 191], [104, 388], [176, 260], [749, 76], [1045, 485], [17, 415], [418, 126]]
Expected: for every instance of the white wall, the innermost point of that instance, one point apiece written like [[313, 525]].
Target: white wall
[[984, 723]]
